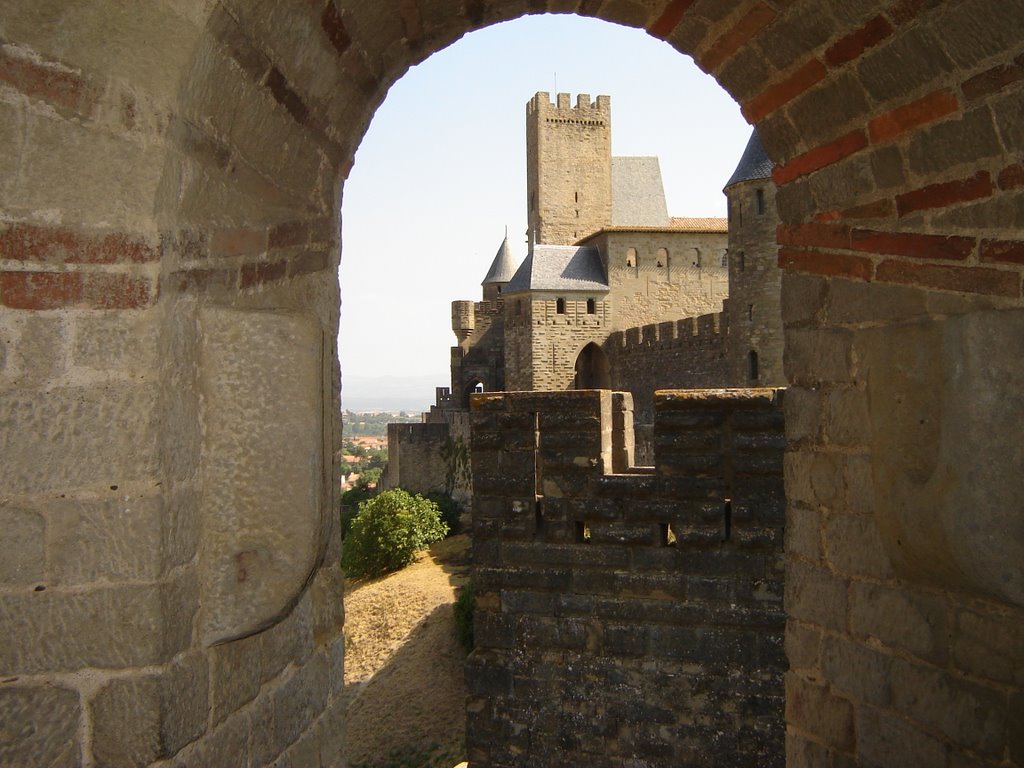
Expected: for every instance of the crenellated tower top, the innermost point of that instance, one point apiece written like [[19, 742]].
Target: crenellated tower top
[[568, 167]]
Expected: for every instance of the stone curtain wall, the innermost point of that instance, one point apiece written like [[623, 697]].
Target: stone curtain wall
[[630, 616], [431, 457], [686, 354], [416, 457]]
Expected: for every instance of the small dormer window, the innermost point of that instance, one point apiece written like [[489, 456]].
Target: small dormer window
[[560, 306]]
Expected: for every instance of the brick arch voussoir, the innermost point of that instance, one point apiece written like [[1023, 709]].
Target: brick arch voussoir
[[872, 175]]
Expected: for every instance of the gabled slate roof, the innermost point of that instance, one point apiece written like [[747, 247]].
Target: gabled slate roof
[[503, 266], [560, 268], [754, 164], [638, 196]]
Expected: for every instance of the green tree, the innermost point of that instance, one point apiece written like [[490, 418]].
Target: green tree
[[388, 531]]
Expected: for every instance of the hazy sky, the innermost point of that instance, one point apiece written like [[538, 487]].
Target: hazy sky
[[442, 171]]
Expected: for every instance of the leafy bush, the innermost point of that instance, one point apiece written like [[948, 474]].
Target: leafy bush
[[451, 510], [387, 532], [464, 608], [350, 501]]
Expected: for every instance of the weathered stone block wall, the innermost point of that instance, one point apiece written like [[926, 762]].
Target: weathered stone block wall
[[629, 616], [568, 167], [755, 285], [167, 484], [904, 593], [670, 274], [479, 358], [542, 345], [686, 354], [416, 457]]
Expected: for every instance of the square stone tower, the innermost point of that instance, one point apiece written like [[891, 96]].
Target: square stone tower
[[568, 168]]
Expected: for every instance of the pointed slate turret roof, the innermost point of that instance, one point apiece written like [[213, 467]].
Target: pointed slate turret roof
[[754, 164], [560, 268], [503, 266]]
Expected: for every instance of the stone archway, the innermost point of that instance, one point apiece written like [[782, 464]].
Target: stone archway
[[470, 389], [169, 221], [592, 369]]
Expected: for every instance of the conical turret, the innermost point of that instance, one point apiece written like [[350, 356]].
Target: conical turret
[[501, 271]]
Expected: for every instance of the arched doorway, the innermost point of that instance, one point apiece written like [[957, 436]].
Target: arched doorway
[[476, 386], [592, 369]]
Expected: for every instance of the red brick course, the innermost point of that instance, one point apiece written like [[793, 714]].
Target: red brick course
[[911, 244], [814, 234], [945, 193], [288, 234], [258, 274], [820, 157], [1012, 176], [334, 27], [238, 242], [775, 96], [917, 113], [993, 80], [1002, 251], [756, 19], [670, 18], [58, 245], [994, 282], [853, 45], [51, 82], [826, 263], [74, 290]]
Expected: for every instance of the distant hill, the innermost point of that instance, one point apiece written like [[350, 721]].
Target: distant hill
[[412, 394], [356, 423]]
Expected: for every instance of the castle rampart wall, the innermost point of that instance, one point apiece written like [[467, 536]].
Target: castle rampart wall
[[631, 616], [684, 354], [431, 457], [415, 457]]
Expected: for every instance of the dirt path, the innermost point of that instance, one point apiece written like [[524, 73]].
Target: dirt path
[[404, 666]]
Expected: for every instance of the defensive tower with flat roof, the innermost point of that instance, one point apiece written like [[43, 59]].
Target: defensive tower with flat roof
[[568, 167]]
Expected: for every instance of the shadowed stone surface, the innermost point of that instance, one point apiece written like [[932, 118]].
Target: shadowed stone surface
[[262, 451], [945, 415], [41, 722]]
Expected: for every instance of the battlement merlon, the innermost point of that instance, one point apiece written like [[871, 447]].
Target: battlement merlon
[[717, 453], [585, 108]]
